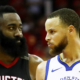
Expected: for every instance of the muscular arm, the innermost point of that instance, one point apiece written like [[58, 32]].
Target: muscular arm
[[40, 71], [34, 61]]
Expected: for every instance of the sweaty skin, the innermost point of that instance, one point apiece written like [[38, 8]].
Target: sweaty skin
[[34, 61]]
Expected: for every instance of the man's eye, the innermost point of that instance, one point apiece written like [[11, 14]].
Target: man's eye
[[20, 28], [11, 28], [51, 31]]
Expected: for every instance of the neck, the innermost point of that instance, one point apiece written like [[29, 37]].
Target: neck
[[5, 57], [72, 50]]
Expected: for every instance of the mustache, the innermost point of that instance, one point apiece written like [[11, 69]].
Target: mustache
[[18, 38], [49, 43]]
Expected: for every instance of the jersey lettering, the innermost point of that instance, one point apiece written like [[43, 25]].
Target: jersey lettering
[[10, 77], [69, 78]]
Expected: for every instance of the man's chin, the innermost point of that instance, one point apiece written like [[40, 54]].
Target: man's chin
[[53, 53], [51, 46]]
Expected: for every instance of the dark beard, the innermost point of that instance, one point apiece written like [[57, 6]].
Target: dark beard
[[58, 49], [11, 47]]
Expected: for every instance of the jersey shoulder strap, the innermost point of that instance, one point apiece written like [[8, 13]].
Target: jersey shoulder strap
[[26, 57]]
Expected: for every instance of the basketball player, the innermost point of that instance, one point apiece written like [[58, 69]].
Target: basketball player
[[62, 27], [14, 58]]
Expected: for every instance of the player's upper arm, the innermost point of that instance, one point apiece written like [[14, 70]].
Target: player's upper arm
[[34, 61], [40, 71]]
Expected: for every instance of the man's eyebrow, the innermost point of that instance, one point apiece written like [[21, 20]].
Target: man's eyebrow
[[14, 24], [51, 29], [11, 24]]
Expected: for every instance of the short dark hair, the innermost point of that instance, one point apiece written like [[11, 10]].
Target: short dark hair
[[6, 9], [67, 16]]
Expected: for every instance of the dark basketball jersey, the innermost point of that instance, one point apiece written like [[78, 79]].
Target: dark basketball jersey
[[17, 70]]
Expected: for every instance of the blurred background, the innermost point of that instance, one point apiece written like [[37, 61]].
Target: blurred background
[[33, 14]]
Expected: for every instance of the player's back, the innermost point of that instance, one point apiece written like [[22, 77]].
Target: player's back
[[59, 70]]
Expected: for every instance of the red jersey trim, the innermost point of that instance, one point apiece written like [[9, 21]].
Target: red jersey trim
[[11, 64]]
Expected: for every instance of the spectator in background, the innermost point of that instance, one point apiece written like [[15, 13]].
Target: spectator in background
[[76, 6], [34, 7], [48, 7], [61, 4], [4, 2], [28, 32], [19, 5], [28, 24], [76, 3], [40, 33], [41, 26]]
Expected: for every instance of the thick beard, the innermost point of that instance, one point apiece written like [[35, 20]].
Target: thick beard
[[58, 49], [11, 47]]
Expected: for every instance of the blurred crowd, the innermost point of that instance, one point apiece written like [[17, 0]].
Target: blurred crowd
[[33, 14]]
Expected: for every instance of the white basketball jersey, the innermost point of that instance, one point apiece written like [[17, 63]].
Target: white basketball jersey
[[59, 70]]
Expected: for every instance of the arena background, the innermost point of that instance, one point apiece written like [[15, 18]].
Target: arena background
[[33, 14]]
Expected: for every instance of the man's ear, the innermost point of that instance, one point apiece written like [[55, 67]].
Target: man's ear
[[71, 28]]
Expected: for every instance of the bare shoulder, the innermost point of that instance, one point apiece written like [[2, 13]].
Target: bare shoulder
[[41, 65], [35, 58], [40, 72]]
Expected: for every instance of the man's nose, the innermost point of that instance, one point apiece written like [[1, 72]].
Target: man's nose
[[18, 33], [47, 38]]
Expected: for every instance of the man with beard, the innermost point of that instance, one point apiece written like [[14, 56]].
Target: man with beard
[[14, 61], [62, 27]]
